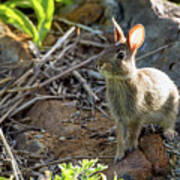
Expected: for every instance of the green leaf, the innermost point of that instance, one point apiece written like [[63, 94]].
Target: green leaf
[[16, 18], [103, 177], [44, 10], [3, 178], [20, 3]]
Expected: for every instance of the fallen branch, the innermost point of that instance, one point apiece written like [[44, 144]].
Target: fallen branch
[[10, 110], [57, 45], [17, 172], [32, 101], [155, 51], [66, 160], [92, 43], [85, 85], [5, 80], [78, 25], [71, 69]]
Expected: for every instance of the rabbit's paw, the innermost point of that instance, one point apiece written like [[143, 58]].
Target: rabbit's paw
[[170, 134], [131, 149], [118, 158], [131, 145]]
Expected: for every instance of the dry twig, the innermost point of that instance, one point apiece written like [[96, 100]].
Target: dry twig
[[32, 101], [57, 45], [70, 70], [82, 26], [17, 172], [66, 160], [155, 51], [85, 85], [10, 110]]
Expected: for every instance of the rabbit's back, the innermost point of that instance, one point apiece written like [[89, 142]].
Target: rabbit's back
[[149, 93], [158, 97], [156, 85]]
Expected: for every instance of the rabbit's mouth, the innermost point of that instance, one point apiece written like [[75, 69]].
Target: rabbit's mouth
[[109, 70], [104, 67]]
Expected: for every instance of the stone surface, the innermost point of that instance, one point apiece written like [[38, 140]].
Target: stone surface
[[14, 53], [92, 12], [87, 13], [68, 132], [135, 165], [36, 145], [154, 150], [55, 117], [149, 161]]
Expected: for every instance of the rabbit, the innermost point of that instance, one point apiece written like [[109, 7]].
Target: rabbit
[[136, 96]]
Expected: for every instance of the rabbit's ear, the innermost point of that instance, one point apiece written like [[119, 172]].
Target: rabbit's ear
[[136, 37], [118, 33]]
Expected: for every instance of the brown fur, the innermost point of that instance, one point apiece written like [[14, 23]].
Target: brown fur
[[137, 97]]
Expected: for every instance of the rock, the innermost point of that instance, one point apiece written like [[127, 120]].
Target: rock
[[53, 116], [69, 132], [154, 150], [90, 12], [150, 161], [14, 54], [12, 48], [87, 13], [134, 165], [36, 145]]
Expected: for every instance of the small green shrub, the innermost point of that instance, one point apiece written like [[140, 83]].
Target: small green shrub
[[86, 170], [44, 10]]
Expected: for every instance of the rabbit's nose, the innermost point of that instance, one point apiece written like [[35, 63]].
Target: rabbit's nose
[[100, 64]]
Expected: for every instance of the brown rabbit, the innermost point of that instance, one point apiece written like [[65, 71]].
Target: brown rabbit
[[136, 96]]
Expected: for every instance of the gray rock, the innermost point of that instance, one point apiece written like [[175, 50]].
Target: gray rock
[[14, 57]]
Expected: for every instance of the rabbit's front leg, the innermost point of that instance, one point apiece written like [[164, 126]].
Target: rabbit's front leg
[[120, 142], [133, 135]]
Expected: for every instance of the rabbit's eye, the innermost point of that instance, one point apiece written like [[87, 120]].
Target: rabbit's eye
[[121, 55]]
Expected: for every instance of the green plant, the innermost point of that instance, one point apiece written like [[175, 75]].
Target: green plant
[[85, 170], [3, 178], [44, 10]]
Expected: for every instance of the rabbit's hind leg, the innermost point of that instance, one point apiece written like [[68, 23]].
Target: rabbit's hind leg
[[168, 126], [170, 134], [170, 110]]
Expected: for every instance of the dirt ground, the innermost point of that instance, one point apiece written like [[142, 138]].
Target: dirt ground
[[79, 132]]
